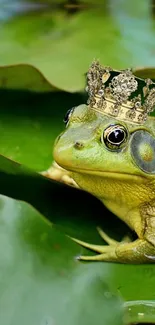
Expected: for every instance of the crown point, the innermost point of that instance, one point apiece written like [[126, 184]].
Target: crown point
[[101, 92]]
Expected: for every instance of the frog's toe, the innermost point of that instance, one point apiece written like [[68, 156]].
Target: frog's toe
[[111, 241], [126, 239], [106, 238], [96, 248], [108, 254]]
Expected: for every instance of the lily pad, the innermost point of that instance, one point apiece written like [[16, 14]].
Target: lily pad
[[24, 77], [62, 47], [41, 280]]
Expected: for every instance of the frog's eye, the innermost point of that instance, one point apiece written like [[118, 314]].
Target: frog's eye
[[68, 115], [114, 136]]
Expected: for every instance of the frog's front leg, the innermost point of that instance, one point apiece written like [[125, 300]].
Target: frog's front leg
[[139, 251], [59, 174]]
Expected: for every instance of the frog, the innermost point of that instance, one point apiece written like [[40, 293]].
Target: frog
[[108, 150]]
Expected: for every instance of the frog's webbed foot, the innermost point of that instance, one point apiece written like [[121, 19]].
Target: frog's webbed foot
[[138, 251], [106, 252], [59, 174]]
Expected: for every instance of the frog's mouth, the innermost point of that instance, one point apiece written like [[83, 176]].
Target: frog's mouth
[[108, 174]]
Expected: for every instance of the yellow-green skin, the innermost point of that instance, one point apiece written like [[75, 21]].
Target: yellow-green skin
[[114, 178]]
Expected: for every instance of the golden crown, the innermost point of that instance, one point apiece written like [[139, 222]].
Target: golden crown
[[120, 93]]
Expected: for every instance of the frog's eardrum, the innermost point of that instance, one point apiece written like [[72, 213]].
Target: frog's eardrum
[[143, 150]]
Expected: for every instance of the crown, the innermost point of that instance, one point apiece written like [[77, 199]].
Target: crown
[[119, 93]]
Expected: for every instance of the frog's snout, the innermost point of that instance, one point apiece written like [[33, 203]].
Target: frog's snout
[[78, 145]]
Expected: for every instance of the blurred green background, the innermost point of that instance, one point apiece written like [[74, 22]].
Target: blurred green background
[[46, 48], [61, 38]]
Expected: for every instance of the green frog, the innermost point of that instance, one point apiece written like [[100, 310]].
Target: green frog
[[108, 149]]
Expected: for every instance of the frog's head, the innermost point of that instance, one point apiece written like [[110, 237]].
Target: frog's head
[[101, 145], [111, 137]]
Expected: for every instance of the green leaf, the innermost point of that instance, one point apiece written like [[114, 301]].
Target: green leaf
[[62, 47], [145, 73], [24, 77], [41, 282]]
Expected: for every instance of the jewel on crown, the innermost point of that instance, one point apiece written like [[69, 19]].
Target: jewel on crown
[[120, 93]]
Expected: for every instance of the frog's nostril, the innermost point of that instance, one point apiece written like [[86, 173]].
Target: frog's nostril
[[78, 145]]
